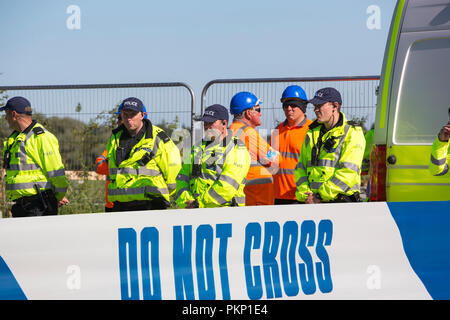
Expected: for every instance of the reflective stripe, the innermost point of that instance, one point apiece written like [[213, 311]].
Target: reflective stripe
[[139, 190], [230, 180], [300, 166], [444, 171], [180, 192], [315, 185], [301, 181], [350, 166], [217, 196], [345, 187], [24, 167], [286, 171], [252, 182], [327, 163], [438, 162], [140, 171], [56, 173], [207, 176], [240, 131], [290, 155], [182, 177], [61, 190], [29, 185], [172, 186]]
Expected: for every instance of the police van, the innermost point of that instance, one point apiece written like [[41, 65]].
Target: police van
[[412, 104]]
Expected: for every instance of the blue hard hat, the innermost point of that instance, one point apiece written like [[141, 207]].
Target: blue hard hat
[[143, 107], [293, 93], [242, 101]]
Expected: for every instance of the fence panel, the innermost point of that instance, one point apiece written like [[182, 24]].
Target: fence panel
[[87, 112], [82, 116], [358, 95]]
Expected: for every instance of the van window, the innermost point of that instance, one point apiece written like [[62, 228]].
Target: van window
[[424, 94]]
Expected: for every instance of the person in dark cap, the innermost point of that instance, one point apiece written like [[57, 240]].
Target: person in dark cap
[[215, 174], [35, 175], [331, 156], [143, 162]]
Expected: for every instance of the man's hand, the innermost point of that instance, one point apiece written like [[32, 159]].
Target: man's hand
[[311, 199], [190, 204], [444, 134], [63, 202]]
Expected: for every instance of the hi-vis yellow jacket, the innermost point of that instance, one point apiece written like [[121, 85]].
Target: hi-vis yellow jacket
[[440, 158], [215, 175], [331, 165], [34, 161], [150, 170]]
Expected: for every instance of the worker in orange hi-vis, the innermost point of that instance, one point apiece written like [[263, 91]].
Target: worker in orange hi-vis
[[247, 116], [102, 167], [288, 138]]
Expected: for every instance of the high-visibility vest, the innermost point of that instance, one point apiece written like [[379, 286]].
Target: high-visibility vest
[[331, 165], [34, 161], [150, 170], [288, 141], [262, 155], [215, 175], [440, 158], [101, 167]]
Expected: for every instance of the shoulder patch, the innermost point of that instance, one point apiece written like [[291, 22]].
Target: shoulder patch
[[163, 136], [38, 130]]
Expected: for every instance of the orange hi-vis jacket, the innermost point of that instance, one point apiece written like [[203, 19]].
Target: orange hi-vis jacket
[[258, 188], [101, 167], [288, 141]]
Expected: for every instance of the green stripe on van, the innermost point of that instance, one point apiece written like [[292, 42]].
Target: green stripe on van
[[390, 59]]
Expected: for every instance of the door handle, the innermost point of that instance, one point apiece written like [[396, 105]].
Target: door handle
[[392, 159]]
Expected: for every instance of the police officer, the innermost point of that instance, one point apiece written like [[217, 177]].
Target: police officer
[[215, 176], [440, 155], [35, 176], [331, 155], [143, 162], [101, 163]]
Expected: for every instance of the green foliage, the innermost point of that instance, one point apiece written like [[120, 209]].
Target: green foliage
[[361, 121], [85, 196]]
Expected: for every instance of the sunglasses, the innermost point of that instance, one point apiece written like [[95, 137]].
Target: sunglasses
[[257, 109]]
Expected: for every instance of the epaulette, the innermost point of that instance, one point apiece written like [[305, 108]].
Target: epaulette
[[38, 130], [353, 123], [163, 136]]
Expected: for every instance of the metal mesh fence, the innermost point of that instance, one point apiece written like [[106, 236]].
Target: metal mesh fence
[[358, 95], [82, 116]]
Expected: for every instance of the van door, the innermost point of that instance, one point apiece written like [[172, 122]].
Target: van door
[[419, 104]]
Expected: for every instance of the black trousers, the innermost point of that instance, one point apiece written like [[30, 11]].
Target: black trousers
[[286, 201], [154, 204], [34, 206]]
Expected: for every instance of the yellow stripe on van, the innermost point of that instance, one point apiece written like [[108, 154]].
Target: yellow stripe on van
[[390, 60]]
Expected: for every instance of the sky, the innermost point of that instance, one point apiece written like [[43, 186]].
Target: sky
[[189, 41]]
